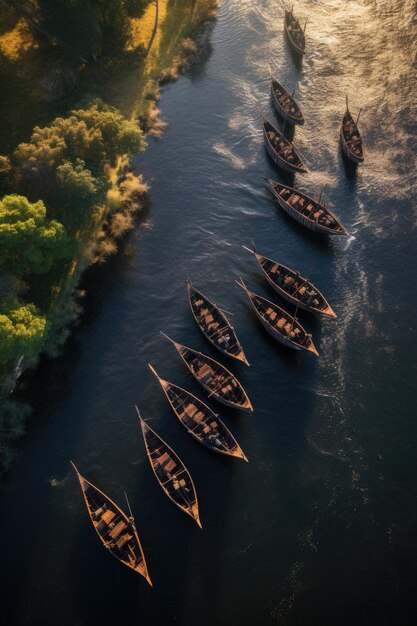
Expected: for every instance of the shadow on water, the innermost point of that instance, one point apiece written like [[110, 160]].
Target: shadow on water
[[295, 56], [350, 168], [56, 375]]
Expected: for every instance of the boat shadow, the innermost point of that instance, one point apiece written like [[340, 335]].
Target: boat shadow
[[288, 130], [295, 56], [100, 584], [350, 168], [287, 178]]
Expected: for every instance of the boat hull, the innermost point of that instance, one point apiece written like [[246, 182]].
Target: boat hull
[[287, 116], [219, 398], [279, 161], [293, 300], [285, 341], [275, 334], [301, 219], [239, 357], [348, 153], [297, 49]]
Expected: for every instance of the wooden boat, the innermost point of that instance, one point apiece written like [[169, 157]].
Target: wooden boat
[[199, 420], [280, 149], [214, 378], [170, 472], [285, 103], [294, 32], [117, 531], [279, 323], [290, 285], [310, 213], [214, 324], [350, 137]]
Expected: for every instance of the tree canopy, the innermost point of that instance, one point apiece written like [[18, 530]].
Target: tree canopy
[[29, 242], [22, 330], [64, 163], [82, 28]]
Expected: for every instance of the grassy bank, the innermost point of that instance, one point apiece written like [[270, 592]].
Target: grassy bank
[[42, 84]]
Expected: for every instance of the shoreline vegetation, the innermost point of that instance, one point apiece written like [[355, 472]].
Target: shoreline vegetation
[[81, 81]]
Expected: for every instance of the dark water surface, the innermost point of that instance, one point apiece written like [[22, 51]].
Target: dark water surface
[[320, 526]]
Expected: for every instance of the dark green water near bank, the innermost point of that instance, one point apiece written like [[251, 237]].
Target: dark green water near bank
[[320, 526]]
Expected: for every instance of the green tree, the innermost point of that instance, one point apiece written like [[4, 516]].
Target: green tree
[[79, 191], [30, 243], [5, 166], [96, 134], [64, 163], [22, 330]]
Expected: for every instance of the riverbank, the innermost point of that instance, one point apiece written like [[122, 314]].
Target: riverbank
[[127, 87]]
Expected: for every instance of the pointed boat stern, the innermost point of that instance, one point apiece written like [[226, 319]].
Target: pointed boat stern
[[329, 312], [249, 407], [195, 514], [241, 357], [241, 455], [270, 184], [312, 348]]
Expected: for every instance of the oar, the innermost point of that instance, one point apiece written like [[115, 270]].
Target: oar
[[283, 127], [321, 191], [248, 249], [166, 337], [293, 319], [130, 510], [139, 415], [242, 285], [357, 119], [262, 116], [355, 124]]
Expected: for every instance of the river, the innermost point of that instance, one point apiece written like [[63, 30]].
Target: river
[[320, 526]]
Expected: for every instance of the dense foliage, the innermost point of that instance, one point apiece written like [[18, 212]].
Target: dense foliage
[[64, 163], [29, 242], [83, 29], [22, 329]]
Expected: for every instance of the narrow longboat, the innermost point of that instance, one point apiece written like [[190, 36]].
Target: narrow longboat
[[218, 381], [350, 137], [117, 531], [306, 211], [214, 324], [199, 420], [289, 284], [294, 32], [170, 472], [282, 326], [285, 103], [281, 150]]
